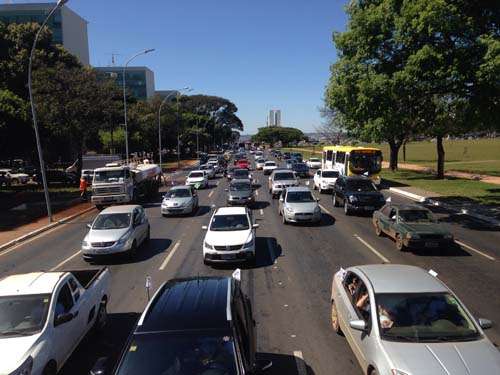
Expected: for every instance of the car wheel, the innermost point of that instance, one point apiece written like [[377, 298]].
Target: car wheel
[[373, 372], [378, 231], [334, 199], [133, 250], [102, 317], [399, 243], [347, 211], [14, 181], [50, 369], [284, 220], [335, 319]]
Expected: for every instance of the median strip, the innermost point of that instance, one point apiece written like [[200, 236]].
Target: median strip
[[372, 249], [169, 256]]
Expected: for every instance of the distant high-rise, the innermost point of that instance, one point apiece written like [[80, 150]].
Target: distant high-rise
[[274, 118], [140, 81]]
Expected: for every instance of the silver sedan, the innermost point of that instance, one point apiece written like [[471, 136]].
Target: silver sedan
[[402, 320], [297, 204], [180, 200]]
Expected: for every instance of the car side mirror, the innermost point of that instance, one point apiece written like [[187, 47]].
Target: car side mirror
[[255, 226], [204, 227], [359, 325], [485, 323], [63, 318], [89, 225], [100, 367], [262, 365]]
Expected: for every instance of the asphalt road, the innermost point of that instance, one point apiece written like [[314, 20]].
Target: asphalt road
[[289, 286]]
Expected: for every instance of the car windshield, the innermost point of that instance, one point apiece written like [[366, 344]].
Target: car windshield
[[361, 162], [112, 221], [315, 160], [300, 167], [178, 193], [240, 174], [196, 174], [329, 174], [270, 164], [240, 186], [229, 223], [261, 161], [168, 354], [283, 176], [423, 317], [299, 197], [23, 315], [361, 185], [117, 175], [416, 216]]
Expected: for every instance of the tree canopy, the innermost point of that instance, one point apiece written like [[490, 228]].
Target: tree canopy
[[276, 134]]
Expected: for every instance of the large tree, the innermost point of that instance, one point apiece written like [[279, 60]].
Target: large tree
[[276, 134]]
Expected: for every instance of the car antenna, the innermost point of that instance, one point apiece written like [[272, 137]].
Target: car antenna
[[148, 286]]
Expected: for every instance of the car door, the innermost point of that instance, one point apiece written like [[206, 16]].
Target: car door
[[392, 221], [242, 328], [136, 226], [383, 218], [83, 305], [317, 178], [65, 334], [339, 190], [281, 201]]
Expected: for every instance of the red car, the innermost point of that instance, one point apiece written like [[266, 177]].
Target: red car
[[243, 164]]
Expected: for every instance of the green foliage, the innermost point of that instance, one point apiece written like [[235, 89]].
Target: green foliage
[[272, 135]]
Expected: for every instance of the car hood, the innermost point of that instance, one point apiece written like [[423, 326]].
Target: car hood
[[176, 202], [434, 228], [106, 235], [270, 166], [240, 193], [229, 238], [364, 193], [14, 351], [302, 207], [195, 179], [456, 358], [285, 182]]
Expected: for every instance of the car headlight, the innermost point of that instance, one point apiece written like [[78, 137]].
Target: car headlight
[[353, 198], [25, 368], [249, 243], [289, 209], [413, 236], [398, 372], [208, 246], [123, 239], [85, 244]]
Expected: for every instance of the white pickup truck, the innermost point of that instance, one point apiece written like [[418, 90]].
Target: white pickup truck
[[45, 315]]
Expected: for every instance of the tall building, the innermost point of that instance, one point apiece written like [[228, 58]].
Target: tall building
[[68, 28], [274, 118], [140, 81]]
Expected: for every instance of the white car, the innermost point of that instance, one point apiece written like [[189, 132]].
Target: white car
[[324, 179], [259, 163], [45, 315], [209, 169], [198, 179], [230, 236], [269, 167], [314, 163], [15, 178], [116, 230]]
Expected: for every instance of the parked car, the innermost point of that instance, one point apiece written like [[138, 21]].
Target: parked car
[[259, 163], [209, 169], [411, 226], [240, 192], [269, 167], [116, 230], [324, 179], [211, 332], [180, 200], [297, 205], [281, 179], [198, 179], [230, 236], [45, 315], [14, 178], [400, 319], [314, 163], [57, 177], [301, 169], [357, 194]]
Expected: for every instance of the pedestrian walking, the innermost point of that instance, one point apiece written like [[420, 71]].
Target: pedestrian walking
[[83, 188]]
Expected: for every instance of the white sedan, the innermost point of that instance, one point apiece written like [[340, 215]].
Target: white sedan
[[314, 163], [15, 178], [259, 163], [324, 179], [198, 179], [230, 236], [269, 167]]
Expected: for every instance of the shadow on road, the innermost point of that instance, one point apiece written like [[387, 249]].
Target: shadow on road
[[145, 252], [259, 205], [451, 251], [285, 364], [106, 344]]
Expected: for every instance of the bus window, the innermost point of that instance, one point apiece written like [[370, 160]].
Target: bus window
[[340, 157], [365, 162], [329, 155]]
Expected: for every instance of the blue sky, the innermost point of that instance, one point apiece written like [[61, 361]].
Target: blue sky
[[260, 54]]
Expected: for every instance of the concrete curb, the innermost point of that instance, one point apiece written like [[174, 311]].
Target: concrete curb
[[38, 231], [433, 202]]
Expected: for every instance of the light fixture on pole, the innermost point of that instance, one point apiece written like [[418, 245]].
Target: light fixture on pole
[[125, 95], [59, 4]]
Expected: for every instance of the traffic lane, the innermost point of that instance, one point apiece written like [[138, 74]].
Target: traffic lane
[[463, 271]]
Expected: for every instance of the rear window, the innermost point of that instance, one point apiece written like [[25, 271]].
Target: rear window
[[196, 174], [284, 176], [330, 174]]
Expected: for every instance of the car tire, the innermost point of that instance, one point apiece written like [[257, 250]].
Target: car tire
[[334, 199], [347, 211], [101, 317], [133, 250], [50, 369], [399, 243], [14, 181], [206, 262], [378, 231], [284, 220], [335, 319]]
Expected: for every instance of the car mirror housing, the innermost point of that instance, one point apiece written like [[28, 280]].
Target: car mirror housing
[[262, 365], [359, 325], [255, 226], [100, 367], [281, 199], [485, 323]]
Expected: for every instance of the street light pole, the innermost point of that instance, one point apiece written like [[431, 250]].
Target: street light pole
[[59, 4], [125, 95], [179, 94]]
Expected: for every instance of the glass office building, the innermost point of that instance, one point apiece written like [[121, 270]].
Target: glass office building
[[139, 80]]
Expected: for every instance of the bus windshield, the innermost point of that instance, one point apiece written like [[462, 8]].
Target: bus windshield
[[362, 162]]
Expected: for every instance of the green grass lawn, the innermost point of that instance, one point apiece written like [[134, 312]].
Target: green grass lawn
[[479, 191]]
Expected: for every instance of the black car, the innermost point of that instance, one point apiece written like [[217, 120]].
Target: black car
[[357, 194], [200, 325], [241, 174], [57, 177], [301, 169], [286, 156]]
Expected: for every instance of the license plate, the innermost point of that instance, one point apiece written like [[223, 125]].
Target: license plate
[[228, 256], [431, 244]]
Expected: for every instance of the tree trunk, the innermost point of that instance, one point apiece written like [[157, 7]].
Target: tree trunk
[[393, 161], [404, 151], [440, 157]]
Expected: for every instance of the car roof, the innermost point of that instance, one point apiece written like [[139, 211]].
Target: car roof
[[356, 178], [197, 170], [241, 169], [282, 170], [400, 278], [120, 209], [297, 188], [29, 283], [270, 161], [197, 303], [237, 210]]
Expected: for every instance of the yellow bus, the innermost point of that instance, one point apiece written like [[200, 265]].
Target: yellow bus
[[354, 161]]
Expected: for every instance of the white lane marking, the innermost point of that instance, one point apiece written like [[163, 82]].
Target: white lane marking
[[475, 250], [65, 261], [261, 211], [211, 193], [271, 250], [299, 361], [373, 250], [170, 255], [325, 209]]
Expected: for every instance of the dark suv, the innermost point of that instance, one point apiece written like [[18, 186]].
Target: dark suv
[[201, 325], [301, 170], [357, 194]]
